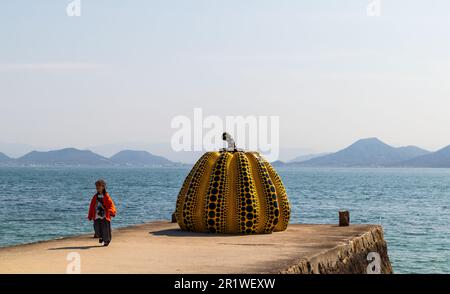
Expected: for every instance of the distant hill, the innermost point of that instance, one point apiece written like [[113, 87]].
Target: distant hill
[[369, 152], [67, 156], [15, 150], [438, 159], [278, 163], [412, 151], [76, 157], [139, 158], [4, 158], [303, 158]]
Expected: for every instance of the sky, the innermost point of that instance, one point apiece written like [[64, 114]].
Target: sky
[[123, 70]]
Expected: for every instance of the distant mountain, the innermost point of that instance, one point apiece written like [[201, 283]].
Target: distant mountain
[[302, 158], [4, 158], [438, 159], [166, 150], [15, 150], [369, 152], [67, 156], [162, 149], [139, 158], [412, 151], [76, 157], [278, 163]]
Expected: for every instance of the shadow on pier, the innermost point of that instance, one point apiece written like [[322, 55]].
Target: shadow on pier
[[76, 247]]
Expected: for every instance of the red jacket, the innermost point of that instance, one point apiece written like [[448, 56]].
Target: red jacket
[[110, 209]]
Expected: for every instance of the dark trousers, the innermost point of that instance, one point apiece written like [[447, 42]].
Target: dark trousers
[[102, 228]]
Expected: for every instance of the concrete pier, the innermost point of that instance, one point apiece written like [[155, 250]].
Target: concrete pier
[[160, 247]]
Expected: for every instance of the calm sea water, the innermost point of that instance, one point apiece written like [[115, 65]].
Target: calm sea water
[[411, 204]]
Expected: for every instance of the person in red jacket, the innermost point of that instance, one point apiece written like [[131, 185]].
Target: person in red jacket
[[101, 210]]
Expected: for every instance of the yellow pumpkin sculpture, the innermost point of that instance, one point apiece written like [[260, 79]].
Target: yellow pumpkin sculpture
[[232, 191]]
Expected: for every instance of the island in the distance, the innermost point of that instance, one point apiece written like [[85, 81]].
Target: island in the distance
[[370, 152], [76, 157]]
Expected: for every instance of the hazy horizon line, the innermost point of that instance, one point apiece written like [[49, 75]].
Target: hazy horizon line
[[118, 146]]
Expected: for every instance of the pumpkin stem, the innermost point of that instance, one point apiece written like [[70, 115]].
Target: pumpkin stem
[[230, 141]]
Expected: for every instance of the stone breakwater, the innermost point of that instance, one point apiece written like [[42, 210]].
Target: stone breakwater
[[363, 254], [161, 247]]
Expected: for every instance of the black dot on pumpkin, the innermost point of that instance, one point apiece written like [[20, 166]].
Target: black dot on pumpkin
[[211, 214], [276, 212], [250, 215], [211, 222], [249, 208], [249, 224], [212, 206]]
